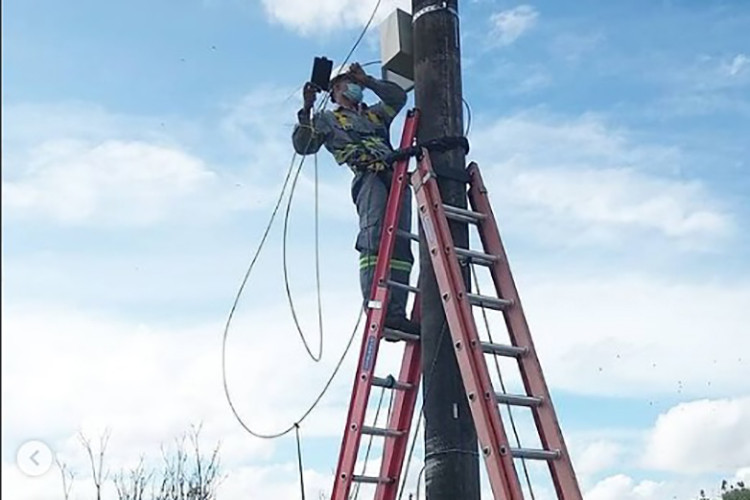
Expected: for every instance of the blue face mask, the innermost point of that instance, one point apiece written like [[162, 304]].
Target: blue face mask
[[353, 92]]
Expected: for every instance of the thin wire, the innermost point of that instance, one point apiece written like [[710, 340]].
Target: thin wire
[[502, 383], [369, 444], [247, 275], [312, 406], [317, 253], [299, 462], [411, 453], [286, 219], [419, 479], [317, 267], [362, 35], [426, 392], [390, 409], [468, 117]]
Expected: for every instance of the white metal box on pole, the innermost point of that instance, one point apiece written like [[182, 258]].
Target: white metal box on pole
[[397, 49]]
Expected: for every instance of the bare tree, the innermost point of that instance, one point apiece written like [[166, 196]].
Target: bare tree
[[132, 486], [67, 478], [96, 459], [188, 473], [206, 478]]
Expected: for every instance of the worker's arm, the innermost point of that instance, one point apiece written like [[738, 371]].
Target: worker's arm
[[392, 97], [309, 133]]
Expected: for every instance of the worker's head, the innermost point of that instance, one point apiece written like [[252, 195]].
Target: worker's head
[[344, 90]]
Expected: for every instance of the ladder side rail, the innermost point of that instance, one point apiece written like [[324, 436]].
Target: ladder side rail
[[375, 321], [546, 421], [468, 349]]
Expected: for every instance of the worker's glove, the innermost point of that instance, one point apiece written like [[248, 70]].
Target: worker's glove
[[357, 74], [308, 94]]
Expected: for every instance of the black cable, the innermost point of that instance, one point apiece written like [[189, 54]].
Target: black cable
[[299, 462], [317, 266], [372, 437], [468, 117], [362, 34], [244, 282], [231, 314], [426, 392], [419, 479], [310, 408], [286, 218], [411, 454], [317, 253]]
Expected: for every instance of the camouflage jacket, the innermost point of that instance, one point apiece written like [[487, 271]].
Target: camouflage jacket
[[354, 138]]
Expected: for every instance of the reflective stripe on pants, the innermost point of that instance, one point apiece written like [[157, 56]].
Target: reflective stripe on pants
[[370, 194]]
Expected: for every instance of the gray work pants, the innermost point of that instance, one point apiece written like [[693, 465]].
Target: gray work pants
[[370, 194]]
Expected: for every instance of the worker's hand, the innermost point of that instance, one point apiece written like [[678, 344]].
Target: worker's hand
[[357, 73], [308, 94]]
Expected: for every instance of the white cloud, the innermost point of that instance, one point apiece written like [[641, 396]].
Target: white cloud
[[597, 456], [621, 198], [580, 180], [323, 16], [639, 337], [702, 436], [82, 165], [709, 74], [72, 370], [575, 47], [622, 487], [738, 65], [126, 182], [510, 25], [92, 372]]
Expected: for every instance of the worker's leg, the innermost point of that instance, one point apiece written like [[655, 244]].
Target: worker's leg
[[371, 197], [402, 258]]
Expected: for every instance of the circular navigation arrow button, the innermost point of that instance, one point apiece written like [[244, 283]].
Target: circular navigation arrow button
[[34, 458]]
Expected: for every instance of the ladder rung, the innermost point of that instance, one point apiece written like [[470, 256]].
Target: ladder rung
[[390, 382], [491, 302], [392, 334], [535, 454], [377, 431], [477, 257], [463, 215], [402, 286], [513, 399], [504, 350], [406, 234], [372, 480]]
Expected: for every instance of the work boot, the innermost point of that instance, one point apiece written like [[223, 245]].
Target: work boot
[[402, 324]]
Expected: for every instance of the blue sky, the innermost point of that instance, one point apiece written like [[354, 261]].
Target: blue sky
[[145, 145]]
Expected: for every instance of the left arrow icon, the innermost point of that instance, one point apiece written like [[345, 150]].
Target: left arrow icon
[[34, 458]]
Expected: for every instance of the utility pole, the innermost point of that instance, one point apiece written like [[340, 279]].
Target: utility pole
[[451, 449]]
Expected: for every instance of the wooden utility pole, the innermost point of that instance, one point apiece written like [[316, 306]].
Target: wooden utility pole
[[451, 449]]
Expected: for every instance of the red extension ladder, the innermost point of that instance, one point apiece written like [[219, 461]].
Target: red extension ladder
[[470, 350]]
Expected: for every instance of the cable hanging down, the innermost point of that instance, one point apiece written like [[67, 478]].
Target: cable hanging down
[[285, 266], [318, 357], [250, 268]]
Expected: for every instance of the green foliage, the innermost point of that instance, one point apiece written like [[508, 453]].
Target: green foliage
[[736, 491]]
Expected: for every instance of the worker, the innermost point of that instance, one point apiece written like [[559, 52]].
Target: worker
[[358, 135]]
